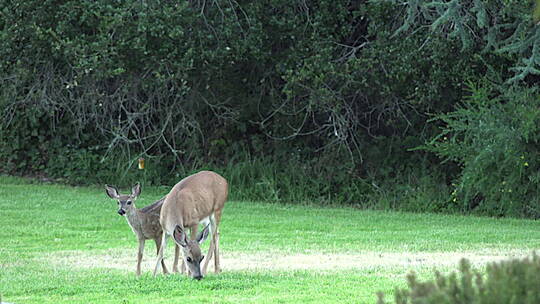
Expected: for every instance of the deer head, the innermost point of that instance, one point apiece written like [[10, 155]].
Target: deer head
[[191, 249], [126, 203]]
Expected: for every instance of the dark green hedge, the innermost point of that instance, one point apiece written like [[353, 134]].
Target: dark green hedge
[[336, 92]]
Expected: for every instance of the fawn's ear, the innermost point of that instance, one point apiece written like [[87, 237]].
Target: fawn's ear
[[179, 236], [136, 190], [203, 235], [111, 192]]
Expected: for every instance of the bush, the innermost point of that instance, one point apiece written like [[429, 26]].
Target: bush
[[495, 137], [506, 282], [342, 88], [87, 88]]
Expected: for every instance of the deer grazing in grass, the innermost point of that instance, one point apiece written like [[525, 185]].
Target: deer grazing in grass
[[197, 198], [144, 222]]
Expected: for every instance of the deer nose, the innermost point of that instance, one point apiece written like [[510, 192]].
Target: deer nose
[[198, 278], [121, 212]]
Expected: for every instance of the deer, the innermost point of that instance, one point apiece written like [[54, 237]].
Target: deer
[[197, 198], [144, 222]]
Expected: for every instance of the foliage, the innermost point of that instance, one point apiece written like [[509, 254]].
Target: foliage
[[503, 27], [513, 281], [341, 89], [536, 13], [494, 137]]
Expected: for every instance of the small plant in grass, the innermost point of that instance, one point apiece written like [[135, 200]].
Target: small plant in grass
[[513, 281]]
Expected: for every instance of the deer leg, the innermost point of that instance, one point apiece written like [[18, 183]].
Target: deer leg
[[217, 267], [139, 256], [160, 252], [208, 256], [212, 245], [176, 255], [158, 245]]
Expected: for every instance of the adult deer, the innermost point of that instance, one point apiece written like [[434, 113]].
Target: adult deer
[[144, 222], [197, 198]]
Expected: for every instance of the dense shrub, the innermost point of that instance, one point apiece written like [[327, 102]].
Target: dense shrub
[[506, 282], [336, 92], [495, 137]]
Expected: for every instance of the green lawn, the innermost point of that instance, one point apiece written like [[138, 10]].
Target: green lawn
[[63, 244]]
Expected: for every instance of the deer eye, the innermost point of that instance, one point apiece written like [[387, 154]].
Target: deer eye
[[189, 260], [129, 202]]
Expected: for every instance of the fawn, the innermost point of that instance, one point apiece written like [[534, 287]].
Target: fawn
[[144, 222]]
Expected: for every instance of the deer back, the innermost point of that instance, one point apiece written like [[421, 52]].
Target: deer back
[[193, 199]]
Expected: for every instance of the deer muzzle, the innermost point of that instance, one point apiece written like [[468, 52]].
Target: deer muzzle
[[196, 273], [122, 212]]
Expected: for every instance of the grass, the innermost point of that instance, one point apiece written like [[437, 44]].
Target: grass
[[64, 244]]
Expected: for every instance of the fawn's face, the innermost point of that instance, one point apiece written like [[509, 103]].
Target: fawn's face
[[191, 250], [126, 203]]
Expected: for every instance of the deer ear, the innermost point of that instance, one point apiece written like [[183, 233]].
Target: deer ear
[[111, 191], [203, 235], [179, 236], [136, 190]]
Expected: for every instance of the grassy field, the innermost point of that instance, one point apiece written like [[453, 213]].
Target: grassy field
[[63, 244]]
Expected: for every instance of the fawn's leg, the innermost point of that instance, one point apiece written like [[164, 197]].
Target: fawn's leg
[[139, 256]]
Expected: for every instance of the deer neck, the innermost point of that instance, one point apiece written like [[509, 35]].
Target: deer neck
[[133, 217]]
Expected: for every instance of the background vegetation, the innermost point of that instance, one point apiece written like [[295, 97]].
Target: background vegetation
[[412, 105]]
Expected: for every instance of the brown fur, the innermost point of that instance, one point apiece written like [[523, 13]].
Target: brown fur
[[193, 199], [144, 222]]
